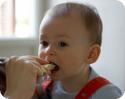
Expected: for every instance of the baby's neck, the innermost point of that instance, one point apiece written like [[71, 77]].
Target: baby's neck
[[75, 83]]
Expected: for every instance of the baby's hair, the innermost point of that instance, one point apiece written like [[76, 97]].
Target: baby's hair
[[89, 16]]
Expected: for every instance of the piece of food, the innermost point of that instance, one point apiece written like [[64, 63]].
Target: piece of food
[[47, 69], [49, 66]]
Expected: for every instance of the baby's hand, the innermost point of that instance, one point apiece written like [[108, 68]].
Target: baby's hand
[[21, 73]]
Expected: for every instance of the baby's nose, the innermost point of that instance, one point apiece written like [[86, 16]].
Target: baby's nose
[[50, 50], [47, 52]]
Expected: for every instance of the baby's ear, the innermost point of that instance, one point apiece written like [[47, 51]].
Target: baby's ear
[[94, 53]]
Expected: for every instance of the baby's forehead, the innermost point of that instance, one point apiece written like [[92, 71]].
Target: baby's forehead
[[65, 28], [55, 17], [62, 24]]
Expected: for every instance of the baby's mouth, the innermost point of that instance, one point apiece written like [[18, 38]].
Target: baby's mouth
[[49, 68], [56, 67]]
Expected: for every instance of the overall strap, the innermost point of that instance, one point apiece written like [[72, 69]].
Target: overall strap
[[91, 87]]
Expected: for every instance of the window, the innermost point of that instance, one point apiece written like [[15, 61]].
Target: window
[[7, 17], [16, 18]]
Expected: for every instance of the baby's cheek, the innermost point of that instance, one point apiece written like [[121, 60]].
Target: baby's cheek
[[71, 67]]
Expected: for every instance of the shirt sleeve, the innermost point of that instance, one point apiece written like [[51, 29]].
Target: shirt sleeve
[[109, 91]]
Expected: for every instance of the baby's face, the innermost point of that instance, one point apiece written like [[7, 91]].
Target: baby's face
[[64, 41]]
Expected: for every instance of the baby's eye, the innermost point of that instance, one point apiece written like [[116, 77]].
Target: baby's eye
[[44, 43], [62, 44]]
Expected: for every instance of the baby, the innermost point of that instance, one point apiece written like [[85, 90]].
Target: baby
[[70, 38]]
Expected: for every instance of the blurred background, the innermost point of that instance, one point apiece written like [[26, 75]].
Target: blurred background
[[19, 30]]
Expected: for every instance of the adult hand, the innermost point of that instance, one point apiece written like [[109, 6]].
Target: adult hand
[[21, 73]]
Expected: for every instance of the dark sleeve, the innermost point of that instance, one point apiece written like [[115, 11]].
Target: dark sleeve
[[2, 75]]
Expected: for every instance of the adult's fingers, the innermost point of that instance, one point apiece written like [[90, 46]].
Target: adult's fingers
[[36, 58]]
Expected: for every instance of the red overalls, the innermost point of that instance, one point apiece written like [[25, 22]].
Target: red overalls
[[87, 91]]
